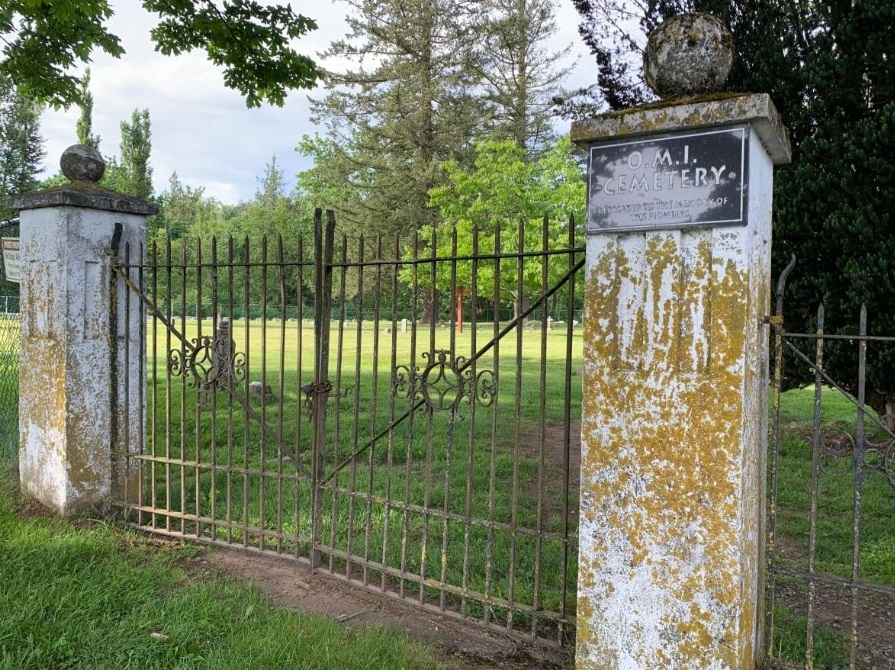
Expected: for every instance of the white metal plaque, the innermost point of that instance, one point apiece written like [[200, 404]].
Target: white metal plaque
[[668, 181], [11, 262]]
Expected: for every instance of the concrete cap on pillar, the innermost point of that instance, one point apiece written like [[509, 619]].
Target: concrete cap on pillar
[[84, 166]]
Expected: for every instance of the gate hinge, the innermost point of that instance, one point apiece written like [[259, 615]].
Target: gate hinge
[[776, 320]]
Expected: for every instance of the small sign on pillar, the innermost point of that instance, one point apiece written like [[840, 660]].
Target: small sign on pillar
[[675, 366]]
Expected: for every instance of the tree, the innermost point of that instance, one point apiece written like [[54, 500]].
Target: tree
[[131, 172], [181, 209], [519, 76], [44, 41], [830, 70], [84, 127], [507, 190], [404, 108], [21, 145]]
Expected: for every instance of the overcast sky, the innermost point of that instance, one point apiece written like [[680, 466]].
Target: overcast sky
[[202, 129]]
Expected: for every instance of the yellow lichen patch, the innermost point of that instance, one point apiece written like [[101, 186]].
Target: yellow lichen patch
[[663, 458]]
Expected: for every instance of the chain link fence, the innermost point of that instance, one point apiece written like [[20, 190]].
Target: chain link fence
[[9, 385], [9, 356]]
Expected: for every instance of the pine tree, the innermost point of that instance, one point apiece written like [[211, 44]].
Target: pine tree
[[519, 75], [404, 107], [84, 127], [21, 145]]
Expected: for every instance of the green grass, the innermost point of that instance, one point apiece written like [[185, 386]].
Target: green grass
[[835, 497], [790, 631], [87, 595]]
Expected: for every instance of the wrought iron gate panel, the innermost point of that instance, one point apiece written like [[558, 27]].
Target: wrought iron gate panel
[[827, 604], [415, 438]]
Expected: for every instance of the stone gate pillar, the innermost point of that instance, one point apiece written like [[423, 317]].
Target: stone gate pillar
[[675, 366], [82, 357]]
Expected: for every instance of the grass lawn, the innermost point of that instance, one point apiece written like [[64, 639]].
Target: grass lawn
[[88, 595]]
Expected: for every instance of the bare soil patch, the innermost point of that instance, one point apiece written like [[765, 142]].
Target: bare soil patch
[[292, 585], [833, 609]]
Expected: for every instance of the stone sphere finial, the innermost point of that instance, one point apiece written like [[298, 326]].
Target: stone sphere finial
[[689, 54], [81, 162]]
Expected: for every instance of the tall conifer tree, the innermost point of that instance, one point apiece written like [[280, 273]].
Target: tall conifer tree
[[404, 106]]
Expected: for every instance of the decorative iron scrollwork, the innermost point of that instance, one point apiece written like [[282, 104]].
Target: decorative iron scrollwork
[[444, 382], [838, 455], [211, 364]]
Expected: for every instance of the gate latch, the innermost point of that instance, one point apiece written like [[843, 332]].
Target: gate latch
[[323, 388]]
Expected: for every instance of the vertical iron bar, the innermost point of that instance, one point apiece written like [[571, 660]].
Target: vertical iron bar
[[374, 401], [430, 422], [169, 414], [230, 314], [816, 446], [215, 322], [517, 429], [262, 438], [335, 489], [183, 386], [405, 529], [542, 430], [281, 389], [356, 417], [470, 446], [495, 423], [197, 414], [124, 328], [567, 435], [771, 577], [246, 307], [323, 248], [142, 387], [299, 376], [859, 483], [389, 460], [449, 453], [153, 404]]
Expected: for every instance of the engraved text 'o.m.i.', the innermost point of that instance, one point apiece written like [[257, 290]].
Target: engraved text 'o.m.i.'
[[674, 180]]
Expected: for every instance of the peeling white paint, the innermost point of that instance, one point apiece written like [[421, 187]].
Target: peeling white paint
[[673, 444], [66, 363]]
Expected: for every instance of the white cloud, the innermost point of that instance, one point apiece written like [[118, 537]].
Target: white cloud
[[201, 129]]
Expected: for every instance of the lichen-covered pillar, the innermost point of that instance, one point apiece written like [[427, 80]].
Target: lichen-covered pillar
[[82, 356], [675, 384]]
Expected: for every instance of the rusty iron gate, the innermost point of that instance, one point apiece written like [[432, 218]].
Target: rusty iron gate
[[831, 529], [402, 414]]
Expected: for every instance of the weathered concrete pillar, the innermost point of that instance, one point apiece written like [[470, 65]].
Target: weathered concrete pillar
[[81, 379], [675, 382]]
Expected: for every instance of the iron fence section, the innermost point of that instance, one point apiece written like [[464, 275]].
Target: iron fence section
[[831, 538], [386, 433]]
